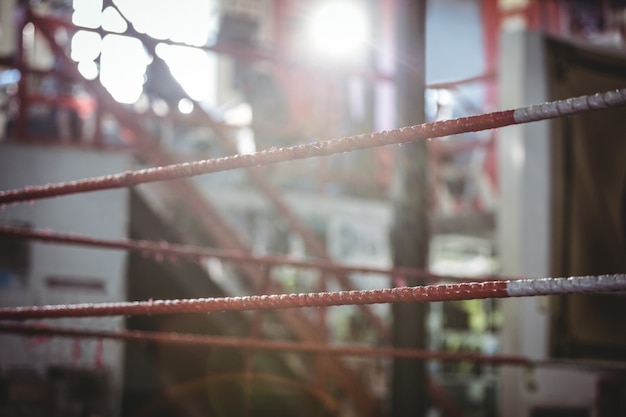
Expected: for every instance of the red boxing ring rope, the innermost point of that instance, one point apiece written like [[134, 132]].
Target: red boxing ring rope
[[429, 293], [24, 329], [527, 114], [196, 252], [255, 343]]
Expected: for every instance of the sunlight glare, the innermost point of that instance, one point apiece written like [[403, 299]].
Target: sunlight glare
[[112, 21], [188, 21], [123, 60], [87, 13], [124, 82], [193, 68], [338, 29], [85, 46], [88, 69], [185, 106]]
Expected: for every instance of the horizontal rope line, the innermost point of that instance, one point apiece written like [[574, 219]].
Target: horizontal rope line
[[429, 293], [253, 343], [325, 148], [24, 329], [197, 253]]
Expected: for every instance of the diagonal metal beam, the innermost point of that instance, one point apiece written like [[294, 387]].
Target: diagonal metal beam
[[270, 192], [223, 235]]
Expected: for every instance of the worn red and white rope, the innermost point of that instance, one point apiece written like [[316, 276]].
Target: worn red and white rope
[[429, 293], [532, 113]]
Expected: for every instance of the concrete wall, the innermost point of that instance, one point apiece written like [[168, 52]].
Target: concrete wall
[[7, 28], [102, 214]]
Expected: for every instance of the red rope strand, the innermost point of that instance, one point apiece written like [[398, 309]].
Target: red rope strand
[[351, 143], [165, 249], [255, 343], [429, 293]]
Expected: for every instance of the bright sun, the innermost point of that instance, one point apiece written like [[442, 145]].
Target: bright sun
[[338, 29]]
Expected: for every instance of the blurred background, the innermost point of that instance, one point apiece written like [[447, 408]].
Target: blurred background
[[92, 87]]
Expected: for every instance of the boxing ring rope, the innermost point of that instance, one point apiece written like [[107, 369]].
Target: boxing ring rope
[[493, 120], [464, 291], [488, 287], [254, 343], [428, 293], [459, 291], [197, 254], [249, 343]]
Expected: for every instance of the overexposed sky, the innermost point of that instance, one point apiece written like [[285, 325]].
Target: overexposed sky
[[123, 60]]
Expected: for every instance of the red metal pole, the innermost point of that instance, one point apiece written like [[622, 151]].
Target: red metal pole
[[491, 36], [21, 20]]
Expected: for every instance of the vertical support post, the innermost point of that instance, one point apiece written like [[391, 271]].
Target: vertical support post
[[21, 18], [322, 322], [410, 235], [491, 22], [281, 12], [523, 216], [98, 137], [490, 17]]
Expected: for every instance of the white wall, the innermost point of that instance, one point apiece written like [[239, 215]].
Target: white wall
[[100, 214], [524, 238]]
